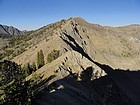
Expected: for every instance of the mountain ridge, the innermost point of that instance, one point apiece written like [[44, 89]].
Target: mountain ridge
[[86, 53], [10, 30]]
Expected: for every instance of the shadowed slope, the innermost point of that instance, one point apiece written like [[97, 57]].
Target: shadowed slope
[[113, 89]]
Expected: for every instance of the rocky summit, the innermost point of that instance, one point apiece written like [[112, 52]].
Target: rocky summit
[[84, 63]]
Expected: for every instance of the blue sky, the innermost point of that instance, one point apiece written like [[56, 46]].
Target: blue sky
[[32, 14]]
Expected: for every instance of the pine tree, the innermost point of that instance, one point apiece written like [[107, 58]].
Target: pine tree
[[40, 59], [29, 68], [15, 90], [33, 66]]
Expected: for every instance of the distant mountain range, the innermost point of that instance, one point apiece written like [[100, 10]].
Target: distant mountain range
[[6, 31]]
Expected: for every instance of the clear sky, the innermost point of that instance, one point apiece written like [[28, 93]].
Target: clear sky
[[32, 14]]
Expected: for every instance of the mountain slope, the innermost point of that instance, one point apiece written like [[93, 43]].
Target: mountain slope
[[92, 66], [9, 30], [117, 47], [70, 83]]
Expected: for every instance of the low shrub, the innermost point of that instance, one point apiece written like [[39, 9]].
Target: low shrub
[[53, 55]]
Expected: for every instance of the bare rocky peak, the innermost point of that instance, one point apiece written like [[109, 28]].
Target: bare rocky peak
[[9, 30]]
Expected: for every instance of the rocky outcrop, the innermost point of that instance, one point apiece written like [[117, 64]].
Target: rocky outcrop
[[82, 82]]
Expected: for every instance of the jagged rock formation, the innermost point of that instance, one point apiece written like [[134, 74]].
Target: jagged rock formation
[[9, 30], [86, 70]]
